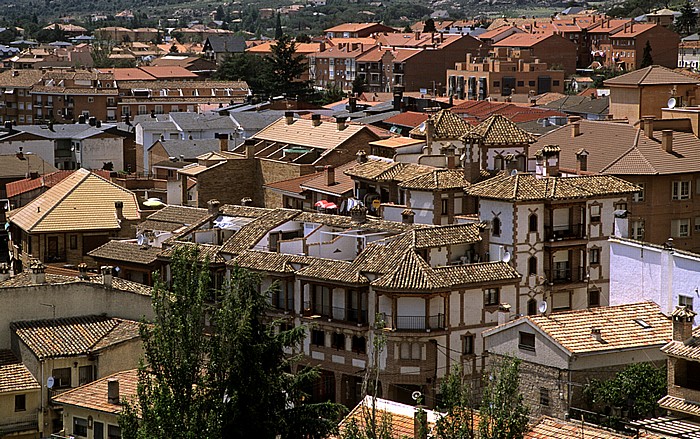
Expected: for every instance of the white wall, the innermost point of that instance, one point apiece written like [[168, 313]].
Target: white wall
[[95, 152], [42, 148], [422, 205]]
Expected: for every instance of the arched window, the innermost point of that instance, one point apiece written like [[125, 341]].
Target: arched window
[[531, 307], [496, 226], [532, 266], [532, 223]]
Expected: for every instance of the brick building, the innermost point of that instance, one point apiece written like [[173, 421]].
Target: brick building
[[620, 44], [554, 50]]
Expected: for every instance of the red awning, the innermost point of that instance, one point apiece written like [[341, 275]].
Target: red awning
[[325, 204]]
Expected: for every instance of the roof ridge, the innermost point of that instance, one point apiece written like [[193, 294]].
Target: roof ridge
[[59, 200], [115, 323]]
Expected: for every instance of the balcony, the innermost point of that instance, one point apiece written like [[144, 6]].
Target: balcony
[[415, 323], [558, 276], [336, 313], [565, 232], [18, 424]]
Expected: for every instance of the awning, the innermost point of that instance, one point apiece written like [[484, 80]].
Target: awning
[[325, 204]]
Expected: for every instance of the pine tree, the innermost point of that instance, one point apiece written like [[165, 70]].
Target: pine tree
[[688, 20], [646, 56], [503, 413], [285, 69], [278, 27], [429, 26]]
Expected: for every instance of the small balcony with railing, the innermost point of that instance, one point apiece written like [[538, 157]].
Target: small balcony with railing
[[564, 232], [564, 274], [336, 313], [414, 323]]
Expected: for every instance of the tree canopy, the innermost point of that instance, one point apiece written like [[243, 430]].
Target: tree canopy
[[503, 413]]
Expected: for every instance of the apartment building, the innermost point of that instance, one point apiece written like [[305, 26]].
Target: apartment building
[[552, 49], [555, 231], [504, 72], [356, 30], [620, 44]]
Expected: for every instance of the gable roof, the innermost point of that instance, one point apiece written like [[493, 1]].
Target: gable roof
[[497, 130], [225, 43], [302, 133], [29, 184], [14, 376], [652, 75], [82, 201], [524, 40], [17, 165], [382, 170], [94, 395], [401, 416], [437, 180], [446, 125], [72, 336], [126, 251], [549, 428], [528, 187], [621, 327]]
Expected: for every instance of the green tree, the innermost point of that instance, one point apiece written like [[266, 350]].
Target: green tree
[[688, 20], [503, 413], [646, 56], [211, 381], [358, 85], [457, 405], [220, 15], [285, 69], [636, 389], [278, 27], [429, 26], [245, 67]]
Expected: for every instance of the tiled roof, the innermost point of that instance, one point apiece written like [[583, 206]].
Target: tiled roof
[[480, 110], [550, 428], [439, 179], [334, 271], [397, 142], [682, 405], [446, 125], [522, 40], [14, 376], [303, 133], [528, 187], [24, 279], [179, 214], [29, 184], [83, 201], [269, 261], [401, 415], [431, 237], [344, 185], [372, 224], [20, 78], [497, 130], [204, 252], [407, 119], [637, 325], [652, 75], [126, 251], [250, 234], [93, 396], [17, 166], [74, 335], [292, 185], [380, 170]]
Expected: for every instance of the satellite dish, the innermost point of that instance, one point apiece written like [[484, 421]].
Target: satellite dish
[[463, 156], [506, 257], [140, 239], [514, 172], [671, 103], [49, 382], [416, 395], [542, 307], [421, 127]]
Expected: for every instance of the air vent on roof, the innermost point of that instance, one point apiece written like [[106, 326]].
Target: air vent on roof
[[642, 323]]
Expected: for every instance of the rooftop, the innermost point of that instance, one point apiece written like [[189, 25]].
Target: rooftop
[[302, 133], [94, 395], [126, 251], [652, 75], [14, 376]]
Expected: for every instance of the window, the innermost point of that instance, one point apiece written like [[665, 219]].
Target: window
[[555, 83], [697, 224], [595, 213], [114, 432], [620, 206], [80, 427], [491, 296], [594, 256], [142, 109], [410, 351], [496, 226], [686, 301], [521, 83], [593, 298], [532, 223], [359, 344], [496, 83], [444, 206], [338, 341], [532, 266], [544, 397], [73, 242], [61, 378], [638, 230], [531, 307], [85, 375], [531, 83], [526, 341], [159, 109], [91, 99], [318, 337], [468, 344], [680, 190], [680, 228], [561, 301], [20, 403], [638, 197]]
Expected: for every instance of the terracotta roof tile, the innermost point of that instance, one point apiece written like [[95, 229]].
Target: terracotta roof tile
[[335, 271], [24, 279], [14, 376], [446, 126], [344, 185], [126, 251], [74, 335], [407, 119], [498, 130], [250, 234], [550, 428], [682, 405], [179, 214], [439, 179], [93, 396], [271, 262], [401, 416], [29, 184], [380, 170], [292, 185], [302, 133], [652, 75], [204, 252]]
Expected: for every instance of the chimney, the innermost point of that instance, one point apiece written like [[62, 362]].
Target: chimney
[[581, 161], [246, 201], [113, 391], [420, 423], [361, 156], [213, 207], [408, 216], [575, 127], [341, 123], [153, 114], [398, 97], [352, 102], [38, 271], [667, 140], [4, 271], [92, 121], [596, 334], [449, 152], [81, 119], [127, 120], [223, 142], [682, 318], [107, 275], [249, 148], [82, 269], [648, 125], [119, 209], [330, 175], [551, 160], [315, 120], [503, 313], [358, 214], [289, 117], [416, 35]]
